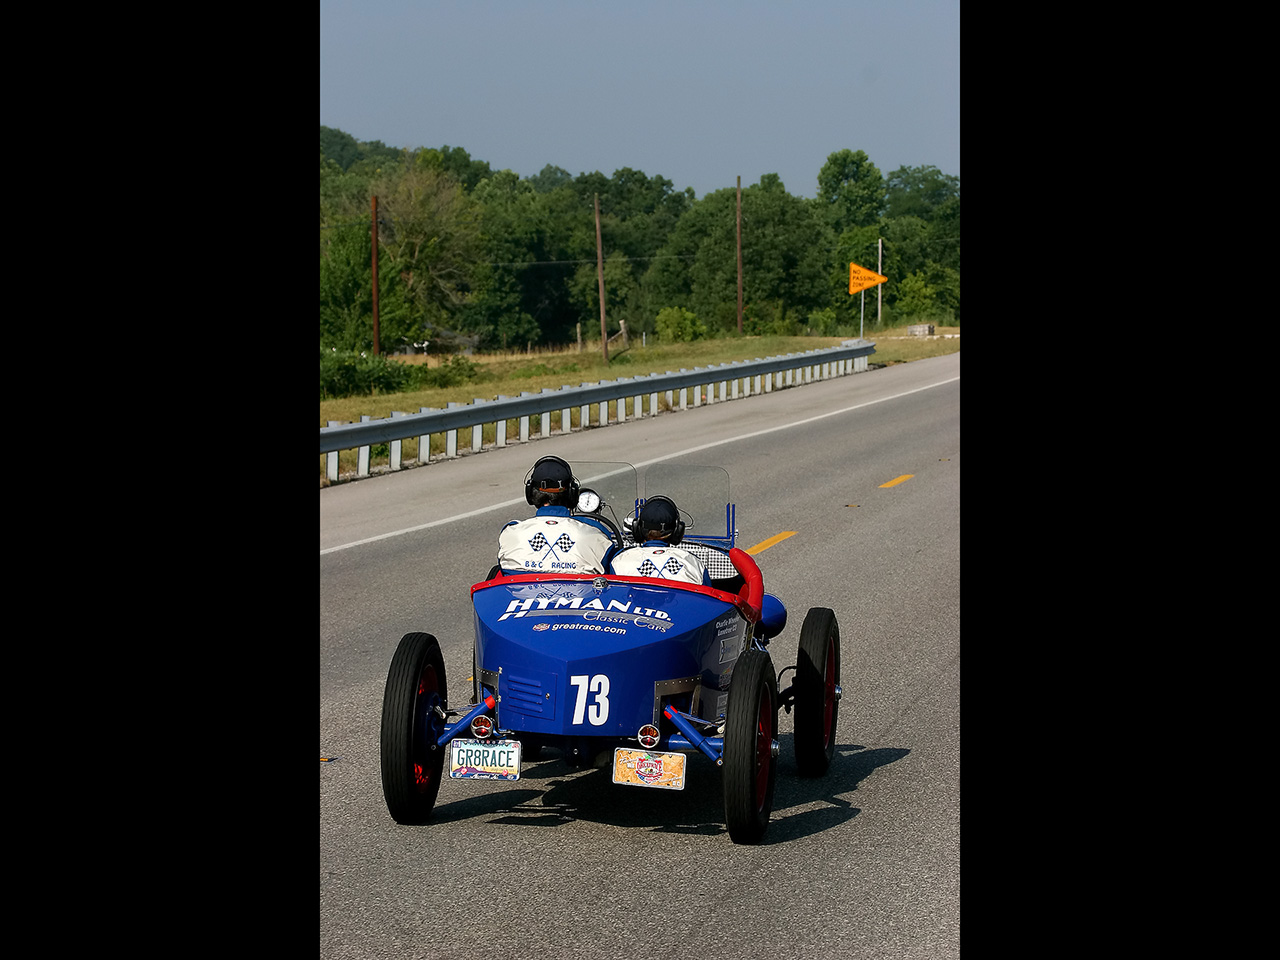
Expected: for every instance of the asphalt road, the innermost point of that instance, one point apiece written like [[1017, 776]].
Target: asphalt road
[[863, 863]]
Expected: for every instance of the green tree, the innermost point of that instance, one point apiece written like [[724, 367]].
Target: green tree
[[429, 235], [677, 325], [919, 192], [456, 162], [346, 290], [851, 190], [637, 212], [346, 151], [514, 238], [785, 253], [550, 178], [917, 298]]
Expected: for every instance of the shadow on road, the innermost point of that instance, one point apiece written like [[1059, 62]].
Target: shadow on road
[[552, 793]]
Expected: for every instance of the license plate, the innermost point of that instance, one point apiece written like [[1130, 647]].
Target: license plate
[[484, 759], [644, 768]]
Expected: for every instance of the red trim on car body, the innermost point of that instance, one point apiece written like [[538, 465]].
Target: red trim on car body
[[750, 613]]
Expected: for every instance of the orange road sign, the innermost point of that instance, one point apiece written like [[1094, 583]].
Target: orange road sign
[[860, 278]]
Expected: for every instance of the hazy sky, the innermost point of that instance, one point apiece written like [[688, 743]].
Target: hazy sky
[[700, 91]]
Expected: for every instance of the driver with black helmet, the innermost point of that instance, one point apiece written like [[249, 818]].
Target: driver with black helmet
[[660, 529], [553, 540]]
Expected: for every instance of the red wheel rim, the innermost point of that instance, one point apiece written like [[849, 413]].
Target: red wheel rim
[[424, 772]]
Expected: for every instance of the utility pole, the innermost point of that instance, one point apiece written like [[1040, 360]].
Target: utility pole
[[739, 254], [604, 336], [879, 270], [376, 337]]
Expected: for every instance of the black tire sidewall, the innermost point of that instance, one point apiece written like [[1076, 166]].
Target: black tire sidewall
[[814, 746], [746, 812]]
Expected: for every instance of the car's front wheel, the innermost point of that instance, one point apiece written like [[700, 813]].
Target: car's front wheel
[[817, 688]]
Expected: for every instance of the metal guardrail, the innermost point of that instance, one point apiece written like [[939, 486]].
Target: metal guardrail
[[849, 357]]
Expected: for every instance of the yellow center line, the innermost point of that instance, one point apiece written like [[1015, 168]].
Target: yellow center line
[[764, 545], [894, 483]]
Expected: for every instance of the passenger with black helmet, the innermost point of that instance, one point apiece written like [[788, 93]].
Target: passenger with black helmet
[[660, 529], [553, 540]]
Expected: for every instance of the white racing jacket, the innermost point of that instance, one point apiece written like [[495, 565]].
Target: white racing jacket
[[552, 544], [661, 561]]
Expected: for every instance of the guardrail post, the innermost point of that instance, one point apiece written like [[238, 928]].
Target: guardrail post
[[477, 432], [544, 418], [362, 454], [566, 419], [331, 458], [622, 404], [395, 444], [524, 421], [586, 411], [451, 436], [500, 428], [424, 440]]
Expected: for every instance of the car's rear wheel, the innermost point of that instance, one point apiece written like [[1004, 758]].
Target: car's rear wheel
[[750, 768], [817, 692], [412, 764]]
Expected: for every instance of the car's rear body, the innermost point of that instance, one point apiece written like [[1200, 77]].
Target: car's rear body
[[577, 659]]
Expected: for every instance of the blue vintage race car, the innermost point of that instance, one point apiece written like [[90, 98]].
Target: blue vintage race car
[[629, 672]]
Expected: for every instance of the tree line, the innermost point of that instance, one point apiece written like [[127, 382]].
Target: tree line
[[470, 256]]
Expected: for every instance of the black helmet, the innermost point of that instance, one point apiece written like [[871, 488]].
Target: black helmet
[[661, 513], [552, 475]]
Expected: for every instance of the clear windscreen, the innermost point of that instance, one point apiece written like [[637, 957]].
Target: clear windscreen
[[616, 483], [701, 493]]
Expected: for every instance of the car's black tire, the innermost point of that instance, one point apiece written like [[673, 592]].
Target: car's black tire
[[412, 765], [750, 769], [817, 676]]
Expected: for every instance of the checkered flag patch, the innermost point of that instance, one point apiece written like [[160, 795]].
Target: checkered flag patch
[[564, 542], [538, 542], [672, 566], [647, 569]]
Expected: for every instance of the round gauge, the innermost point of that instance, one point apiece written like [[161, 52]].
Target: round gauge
[[588, 501]]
